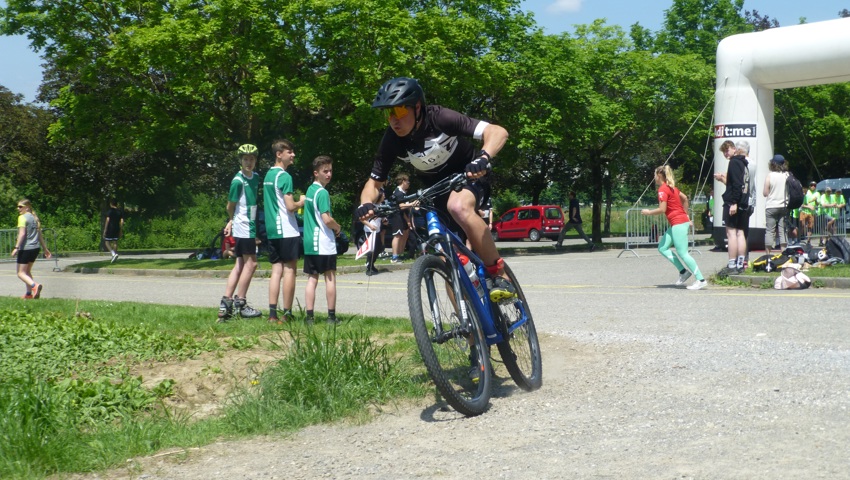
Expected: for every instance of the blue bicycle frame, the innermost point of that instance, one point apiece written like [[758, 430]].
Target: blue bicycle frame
[[447, 244]]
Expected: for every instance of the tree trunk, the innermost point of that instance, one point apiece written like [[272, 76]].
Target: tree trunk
[[596, 195]]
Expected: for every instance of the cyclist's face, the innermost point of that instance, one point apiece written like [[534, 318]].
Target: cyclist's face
[[403, 125]]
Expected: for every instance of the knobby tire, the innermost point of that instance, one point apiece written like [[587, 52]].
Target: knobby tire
[[448, 363], [520, 351]]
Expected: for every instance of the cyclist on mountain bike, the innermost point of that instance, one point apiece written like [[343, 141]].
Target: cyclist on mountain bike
[[435, 140]]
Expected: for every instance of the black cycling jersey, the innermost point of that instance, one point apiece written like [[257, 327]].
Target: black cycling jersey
[[439, 148]]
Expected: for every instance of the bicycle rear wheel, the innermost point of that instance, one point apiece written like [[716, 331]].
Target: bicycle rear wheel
[[448, 345], [521, 349]]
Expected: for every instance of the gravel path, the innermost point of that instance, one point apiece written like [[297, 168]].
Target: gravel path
[[641, 380]]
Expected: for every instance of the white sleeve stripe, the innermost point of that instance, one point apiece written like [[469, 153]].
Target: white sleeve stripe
[[479, 130]]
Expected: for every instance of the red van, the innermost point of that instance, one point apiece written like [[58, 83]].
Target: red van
[[532, 222]]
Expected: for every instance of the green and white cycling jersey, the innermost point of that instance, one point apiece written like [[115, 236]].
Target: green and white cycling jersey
[[243, 192], [319, 239], [280, 222]]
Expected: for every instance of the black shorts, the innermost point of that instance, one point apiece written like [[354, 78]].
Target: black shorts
[[398, 224], [245, 246], [739, 221], [316, 264], [284, 249], [27, 256]]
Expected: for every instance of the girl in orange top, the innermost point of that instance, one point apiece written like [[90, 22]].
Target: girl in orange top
[[673, 203]]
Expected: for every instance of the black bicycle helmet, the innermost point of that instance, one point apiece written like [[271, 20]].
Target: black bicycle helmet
[[399, 91]]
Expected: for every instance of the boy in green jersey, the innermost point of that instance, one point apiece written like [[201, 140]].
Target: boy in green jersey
[[320, 231], [281, 228], [242, 210]]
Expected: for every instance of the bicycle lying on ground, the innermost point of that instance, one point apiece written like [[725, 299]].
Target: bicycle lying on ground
[[455, 322]]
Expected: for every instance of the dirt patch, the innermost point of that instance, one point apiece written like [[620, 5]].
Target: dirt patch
[[202, 384]]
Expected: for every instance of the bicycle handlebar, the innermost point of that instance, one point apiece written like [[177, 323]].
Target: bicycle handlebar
[[424, 196]]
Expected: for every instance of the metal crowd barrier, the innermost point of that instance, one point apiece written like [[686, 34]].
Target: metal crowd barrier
[[646, 231], [827, 225], [9, 236]]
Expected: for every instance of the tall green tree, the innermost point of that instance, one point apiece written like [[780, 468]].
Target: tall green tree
[[698, 26], [181, 84]]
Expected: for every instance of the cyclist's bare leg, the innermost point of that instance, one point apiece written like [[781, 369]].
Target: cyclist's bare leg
[[461, 206]]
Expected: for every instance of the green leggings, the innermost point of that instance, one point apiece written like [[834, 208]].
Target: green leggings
[[677, 236]]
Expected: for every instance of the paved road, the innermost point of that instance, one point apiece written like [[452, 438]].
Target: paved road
[[567, 291]]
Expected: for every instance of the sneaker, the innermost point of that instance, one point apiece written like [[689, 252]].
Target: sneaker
[[114, 257], [683, 277], [36, 290], [726, 271], [333, 320], [474, 368], [225, 309], [395, 260], [500, 289], [275, 320], [309, 320], [371, 271], [245, 310], [698, 285], [28, 296]]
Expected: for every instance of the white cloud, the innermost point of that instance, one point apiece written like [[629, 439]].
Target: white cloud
[[565, 6]]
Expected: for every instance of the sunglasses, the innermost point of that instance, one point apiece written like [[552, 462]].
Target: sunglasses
[[398, 112], [21, 206]]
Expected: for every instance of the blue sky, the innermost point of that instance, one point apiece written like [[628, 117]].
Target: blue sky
[[20, 67]]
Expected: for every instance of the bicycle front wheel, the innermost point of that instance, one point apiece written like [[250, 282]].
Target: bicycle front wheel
[[454, 351], [521, 349]]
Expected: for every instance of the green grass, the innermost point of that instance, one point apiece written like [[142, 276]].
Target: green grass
[[68, 403]]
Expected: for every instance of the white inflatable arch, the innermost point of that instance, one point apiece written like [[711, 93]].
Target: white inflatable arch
[[749, 68]]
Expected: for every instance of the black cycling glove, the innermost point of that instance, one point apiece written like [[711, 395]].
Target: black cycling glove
[[478, 165], [363, 210]]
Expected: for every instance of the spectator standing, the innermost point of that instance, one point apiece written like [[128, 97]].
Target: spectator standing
[[808, 210], [674, 204], [113, 228], [400, 221], [824, 213], [775, 203], [374, 225], [281, 229], [242, 210], [735, 215], [708, 214], [838, 211], [574, 221], [320, 231], [27, 247]]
